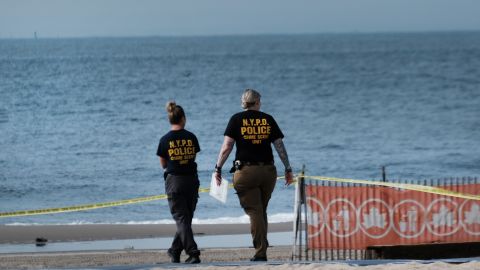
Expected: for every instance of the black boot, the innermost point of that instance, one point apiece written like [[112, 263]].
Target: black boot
[[174, 256], [192, 259], [258, 259]]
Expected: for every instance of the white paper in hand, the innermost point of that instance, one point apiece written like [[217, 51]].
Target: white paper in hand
[[219, 192]]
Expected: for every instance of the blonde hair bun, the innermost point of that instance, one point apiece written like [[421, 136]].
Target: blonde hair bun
[[170, 106], [175, 112]]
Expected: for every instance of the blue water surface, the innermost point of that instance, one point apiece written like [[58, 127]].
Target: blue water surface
[[80, 119]]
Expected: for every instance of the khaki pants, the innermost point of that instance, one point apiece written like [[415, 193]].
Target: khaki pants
[[254, 186]]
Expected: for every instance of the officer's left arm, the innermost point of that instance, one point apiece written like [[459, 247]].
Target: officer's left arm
[[282, 153]]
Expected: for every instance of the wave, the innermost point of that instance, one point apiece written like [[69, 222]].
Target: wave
[[332, 146], [3, 119], [275, 218]]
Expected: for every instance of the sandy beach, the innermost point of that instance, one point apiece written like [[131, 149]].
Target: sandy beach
[[91, 232], [212, 258], [227, 259], [26, 235]]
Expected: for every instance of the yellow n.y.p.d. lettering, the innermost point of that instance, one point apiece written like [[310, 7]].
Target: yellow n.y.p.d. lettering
[[254, 122], [180, 143]]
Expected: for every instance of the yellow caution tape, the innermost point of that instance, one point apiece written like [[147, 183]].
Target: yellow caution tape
[[84, 207], [426, 189]]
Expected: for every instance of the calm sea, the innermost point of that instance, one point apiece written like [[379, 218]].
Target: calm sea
[[80, 119]]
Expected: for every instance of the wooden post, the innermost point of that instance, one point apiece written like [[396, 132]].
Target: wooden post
[[297, 210], [304, 202]]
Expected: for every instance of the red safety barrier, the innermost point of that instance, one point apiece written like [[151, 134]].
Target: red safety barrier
[[355, 217]]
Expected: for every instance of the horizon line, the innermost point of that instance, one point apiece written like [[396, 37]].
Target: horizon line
[[37, 34]]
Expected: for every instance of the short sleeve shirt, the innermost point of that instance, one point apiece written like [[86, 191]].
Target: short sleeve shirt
[[179, 148], [253, 132]]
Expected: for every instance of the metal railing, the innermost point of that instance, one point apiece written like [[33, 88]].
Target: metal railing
[[339, 221]]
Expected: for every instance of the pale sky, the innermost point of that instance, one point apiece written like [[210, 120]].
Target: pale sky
[[98, 18]]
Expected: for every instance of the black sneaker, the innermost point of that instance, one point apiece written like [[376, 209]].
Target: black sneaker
[[174, 257], [192, 259], [258, 259]]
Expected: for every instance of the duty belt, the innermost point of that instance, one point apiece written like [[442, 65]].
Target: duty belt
[[256, 163], [238, 164]]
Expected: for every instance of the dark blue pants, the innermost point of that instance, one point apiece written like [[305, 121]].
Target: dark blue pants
[[182, 191]]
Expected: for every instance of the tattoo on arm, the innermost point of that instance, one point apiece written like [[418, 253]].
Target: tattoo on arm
[[282, 152], [227, 147]]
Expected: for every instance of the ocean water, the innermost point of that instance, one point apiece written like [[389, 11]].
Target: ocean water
[[80, 119]]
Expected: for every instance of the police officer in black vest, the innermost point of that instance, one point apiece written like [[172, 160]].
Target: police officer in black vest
[[253, 132], [177, 150]]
